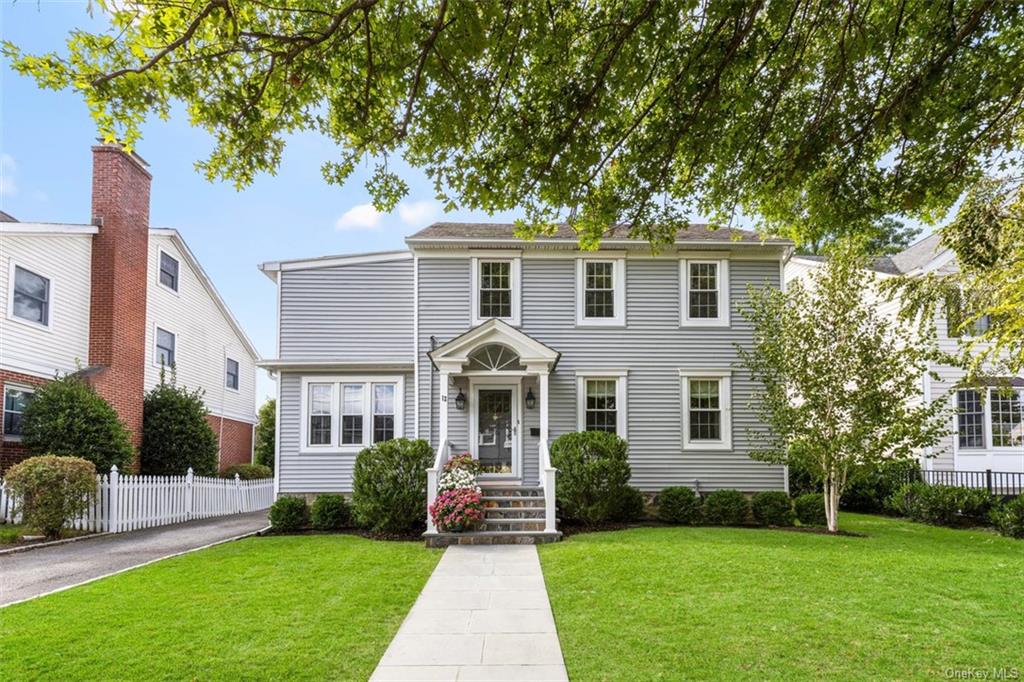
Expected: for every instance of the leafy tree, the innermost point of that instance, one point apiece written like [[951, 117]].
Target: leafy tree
[[265, 429], [883, 237], [175, 433], [67, 417], [810, 115], [839, 383]]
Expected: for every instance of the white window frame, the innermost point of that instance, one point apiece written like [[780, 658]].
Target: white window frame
[[724, 378], [989, 439], [723, 293], [227, 359], [3, 409], [156, 350], [618, 287], [515, 277], [362, 412], [159, 258], [335, 446], [619, 376], [986, 424], [49, 297]]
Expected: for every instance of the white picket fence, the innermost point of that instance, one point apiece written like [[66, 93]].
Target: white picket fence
[[128, 502]]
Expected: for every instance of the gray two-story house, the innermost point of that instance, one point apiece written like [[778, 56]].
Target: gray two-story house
[[480, 342]]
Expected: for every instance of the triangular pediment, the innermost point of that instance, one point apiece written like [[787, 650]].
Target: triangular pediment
[[454, 355]]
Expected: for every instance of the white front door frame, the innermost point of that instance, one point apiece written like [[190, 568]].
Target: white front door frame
[[515, 385]]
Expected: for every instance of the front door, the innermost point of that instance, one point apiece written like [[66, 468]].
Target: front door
[[497, 430]]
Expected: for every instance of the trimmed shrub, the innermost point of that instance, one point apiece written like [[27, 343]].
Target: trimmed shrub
[[329, 512], [1008, 518], [67, 418], [389, 485], [52, 490], [942, 505], [248, 472], [679, 504], [869, 491], [175, 433], [289, 513], [726, 508], [630, 505], [773, 508], [810, 509], [904, 500], [593, 472], [266, 427]]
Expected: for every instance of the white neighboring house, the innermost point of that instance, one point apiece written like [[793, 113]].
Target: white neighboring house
[[987, 431]]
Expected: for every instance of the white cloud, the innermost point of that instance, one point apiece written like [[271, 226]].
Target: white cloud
[[366, 217], [7, 168], [359, 217], [417, 212]]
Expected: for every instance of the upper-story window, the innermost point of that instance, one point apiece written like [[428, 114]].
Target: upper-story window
[[169, 271], [30, 300], [704, 292], [707, 423], [600, 291], [231, 373], [16, 399], [165, 354], [990, 417], [496, 289]]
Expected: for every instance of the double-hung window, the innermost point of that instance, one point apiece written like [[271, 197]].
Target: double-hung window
[[16, 399], [30, 297], [321, 403], [601, 399], [231, 373], [351, 414], [165, 354], [1006, 418], [600, 291], [706, 399], [169, 271], [970, 419], [345, 414], [383, 412], [495, 289], [991, 417], [704, 293]]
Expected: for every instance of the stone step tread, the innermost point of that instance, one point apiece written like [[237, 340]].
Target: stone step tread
[[508, 498], [514, 513], [514, 520]]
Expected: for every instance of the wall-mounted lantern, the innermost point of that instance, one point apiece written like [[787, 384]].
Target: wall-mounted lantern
[[531, 401], [460, 400]]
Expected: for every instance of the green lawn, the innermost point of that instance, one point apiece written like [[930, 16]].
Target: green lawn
[[909, 601], [309, 607]]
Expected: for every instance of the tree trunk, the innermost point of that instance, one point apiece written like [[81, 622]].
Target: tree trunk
[[831, 505]]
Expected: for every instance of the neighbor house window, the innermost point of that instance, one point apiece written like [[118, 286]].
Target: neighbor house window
[[383, 412], [352, 414], [602, 402], [168, 271], [1006, 418], [704, 292], [970, 419], [31, 297], [496, 290], [231, 372], [16, 399], [999, 408], [600, 291], [320, 400], [706, 409], [165, 348], [369, 410]]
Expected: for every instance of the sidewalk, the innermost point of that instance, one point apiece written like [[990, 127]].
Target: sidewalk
[[483, 615]]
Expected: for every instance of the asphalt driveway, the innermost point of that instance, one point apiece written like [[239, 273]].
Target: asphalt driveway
[[38, 571]]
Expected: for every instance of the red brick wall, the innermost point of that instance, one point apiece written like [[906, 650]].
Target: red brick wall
[[235, 440], [120, 252], [12, 452]]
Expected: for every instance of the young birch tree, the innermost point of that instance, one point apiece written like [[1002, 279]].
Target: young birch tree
[[839, 383]]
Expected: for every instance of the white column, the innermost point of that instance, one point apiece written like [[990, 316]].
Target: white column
[[443, 427], [542, 387], [113, 513]]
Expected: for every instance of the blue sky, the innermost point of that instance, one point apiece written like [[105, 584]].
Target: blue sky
[[45, 163]]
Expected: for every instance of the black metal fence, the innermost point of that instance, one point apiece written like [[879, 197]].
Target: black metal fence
[[995, 482]]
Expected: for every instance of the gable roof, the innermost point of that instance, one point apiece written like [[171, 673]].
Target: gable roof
[[505, 232], [920, 254]]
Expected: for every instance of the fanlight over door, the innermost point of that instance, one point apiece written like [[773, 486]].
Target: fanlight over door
[[494, 357]]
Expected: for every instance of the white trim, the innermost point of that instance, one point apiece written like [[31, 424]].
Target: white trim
[[475, 384], [515, 277], [618, 289], [47, 229], [723, 294], [155, 358], [159, 259], [621, 393], [51, 286], [333, 261], [452, 355], [336, 381], [11, 385], [277, 433], [983, 457], [416, 345], [334, 365], [601, 372], [724, 379]]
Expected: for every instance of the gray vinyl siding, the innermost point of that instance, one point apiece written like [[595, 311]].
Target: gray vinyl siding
[[357, 313]]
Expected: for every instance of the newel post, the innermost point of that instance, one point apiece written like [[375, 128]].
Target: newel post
[[238, 494], [114, 515], [188, 493]]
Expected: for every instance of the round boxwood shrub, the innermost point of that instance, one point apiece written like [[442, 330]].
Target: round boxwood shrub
[[726, 508], [810, 509], [175, 433], [679, 504], [1008, 518], [773, 508], [248, 472], [289, 514], [329, 512], [67, 417], [593, 475], [631, 505], [389, 485], [51, 490]]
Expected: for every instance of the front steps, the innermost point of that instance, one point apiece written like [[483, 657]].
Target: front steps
[[512, 516]]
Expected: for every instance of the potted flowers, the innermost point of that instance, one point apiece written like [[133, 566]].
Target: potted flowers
[[458, 506]]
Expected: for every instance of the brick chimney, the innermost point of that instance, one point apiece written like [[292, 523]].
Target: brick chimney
[[120, 252]]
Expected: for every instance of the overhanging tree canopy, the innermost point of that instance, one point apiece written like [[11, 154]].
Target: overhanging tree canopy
[[805, 113]]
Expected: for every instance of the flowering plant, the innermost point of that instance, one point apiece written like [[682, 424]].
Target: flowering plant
[[465, 462], [457, 510], [456, 478]]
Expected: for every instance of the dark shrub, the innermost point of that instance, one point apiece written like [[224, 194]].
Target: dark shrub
[[905, 499], [679, 504], [175, 433], [869, 491], [52, 490], [630, 505], [773, 508], [66, 417], [947, 505], [1008, 518], [329, 512], [810, 509], [389, 485], [726, 508], [289, 513], [265, 430], [248, 472], [593, 470], [802, 481]]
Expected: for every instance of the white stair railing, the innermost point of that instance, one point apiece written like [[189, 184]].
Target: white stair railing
[[440, 458], [548, 482]]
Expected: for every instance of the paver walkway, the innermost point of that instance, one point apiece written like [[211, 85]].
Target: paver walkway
[[483, 615]]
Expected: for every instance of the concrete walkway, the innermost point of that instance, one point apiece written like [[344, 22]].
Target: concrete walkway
[[38, 571], [483, 615]]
